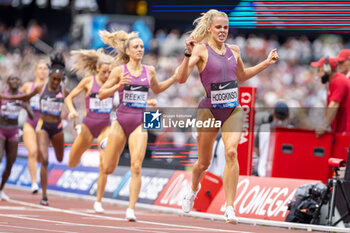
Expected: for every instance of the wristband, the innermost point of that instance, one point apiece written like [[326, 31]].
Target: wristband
[[188, 54]]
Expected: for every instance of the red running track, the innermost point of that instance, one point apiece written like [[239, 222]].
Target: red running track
[[24, 214]]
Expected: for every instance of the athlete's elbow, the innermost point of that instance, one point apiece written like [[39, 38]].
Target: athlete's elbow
[[156, 91], [181, 80], [241, 79], [67, 100]]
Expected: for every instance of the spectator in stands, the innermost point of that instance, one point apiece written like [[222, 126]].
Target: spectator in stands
[[337, 117]]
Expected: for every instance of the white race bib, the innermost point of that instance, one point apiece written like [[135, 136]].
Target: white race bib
[[224, 95], [100, 106], [10, 110], [135, 96], [51, 106]]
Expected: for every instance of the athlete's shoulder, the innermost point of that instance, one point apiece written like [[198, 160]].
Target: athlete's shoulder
[[234, 48], [26, 86], [151, 69], [87, 79], [199, 48], [118, 69]]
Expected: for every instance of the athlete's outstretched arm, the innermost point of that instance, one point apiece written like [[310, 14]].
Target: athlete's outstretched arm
[[82, 86], [24, 97], [243, 74], [162, 86], [114, 82], [187, 65]]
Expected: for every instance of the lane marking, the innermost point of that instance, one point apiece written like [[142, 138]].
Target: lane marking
[[37, 229], [76, 224], [22, 208], [122, 219]]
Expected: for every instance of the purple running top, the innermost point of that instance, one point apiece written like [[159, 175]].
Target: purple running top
[[133, 96], [219, 79]]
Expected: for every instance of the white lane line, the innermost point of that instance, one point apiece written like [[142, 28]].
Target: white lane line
[[17, 208], [76, 224], [37, 229], [122, 219], [168, 229]]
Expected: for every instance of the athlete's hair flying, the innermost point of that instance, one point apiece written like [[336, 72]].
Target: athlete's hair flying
[[119, 40], [85, 61]]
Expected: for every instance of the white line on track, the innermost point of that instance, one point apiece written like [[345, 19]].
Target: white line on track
[[22, 208], [36, 229], [75, 224], [118, 219]]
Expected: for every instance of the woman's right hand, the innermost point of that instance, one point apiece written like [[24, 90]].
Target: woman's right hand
[[72, 115], [190, 43], [125, 79]]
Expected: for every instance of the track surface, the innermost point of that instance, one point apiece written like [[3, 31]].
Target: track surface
[[24, 214]]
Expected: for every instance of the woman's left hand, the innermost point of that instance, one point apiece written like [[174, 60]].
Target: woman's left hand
[[273, 57]]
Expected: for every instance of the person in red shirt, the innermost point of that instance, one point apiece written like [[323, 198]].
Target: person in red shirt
[[344, 62], [337, 117]]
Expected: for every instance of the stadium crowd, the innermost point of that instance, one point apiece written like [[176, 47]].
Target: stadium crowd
[[291, 79]]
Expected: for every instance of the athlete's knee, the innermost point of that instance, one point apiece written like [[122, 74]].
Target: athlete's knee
[[32, 153], [231, 155], [45, 162], [136, 168], [203, 165], [9, 164], [107, 169]]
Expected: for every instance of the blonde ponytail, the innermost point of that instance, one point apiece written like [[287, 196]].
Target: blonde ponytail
[[200, 32], [120, 41], [85, 61]]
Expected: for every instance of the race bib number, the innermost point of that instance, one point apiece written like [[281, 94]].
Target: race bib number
[[10, 110], [100, 106], [35, 102], [224, 95], [51, 106], [135, 96]]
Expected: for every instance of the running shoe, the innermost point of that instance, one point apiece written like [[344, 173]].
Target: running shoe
[[98, 207], [130, 215], [3, 196], [188, 201], [103, 143], [34, 188], [44, 201], [230, 216]]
